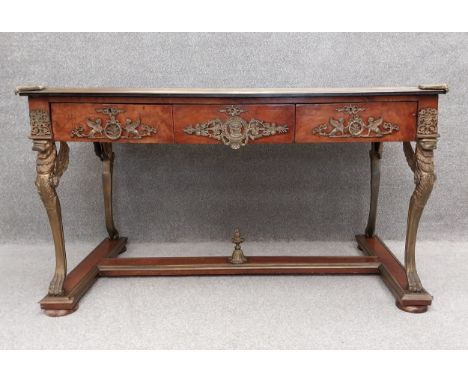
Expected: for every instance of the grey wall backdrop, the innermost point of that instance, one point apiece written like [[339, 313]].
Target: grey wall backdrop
[[201, 193]]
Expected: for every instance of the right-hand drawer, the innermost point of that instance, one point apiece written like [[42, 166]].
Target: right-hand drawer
[[370, 121]]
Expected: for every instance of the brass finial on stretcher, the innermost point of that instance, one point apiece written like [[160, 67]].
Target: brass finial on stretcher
[[237, 256]]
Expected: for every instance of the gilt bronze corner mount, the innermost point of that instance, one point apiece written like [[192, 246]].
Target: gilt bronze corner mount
[[427, 123], [39, 120]]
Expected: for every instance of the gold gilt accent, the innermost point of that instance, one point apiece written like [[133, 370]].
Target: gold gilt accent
[[104, 152], [421, 162], [40, 124], [355, 127], [427, 122], [235, 131], [237, 256], [26, 88], [112, 128], [50, 166], [441, 87]]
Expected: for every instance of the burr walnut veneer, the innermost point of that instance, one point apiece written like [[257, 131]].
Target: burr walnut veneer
[[235, 118]]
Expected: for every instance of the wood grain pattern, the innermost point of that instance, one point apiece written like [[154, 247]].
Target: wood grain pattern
[[256, 265], [394, 275], [83, 276], [68, 116], [173, 110], [402, 114], [190, 115]]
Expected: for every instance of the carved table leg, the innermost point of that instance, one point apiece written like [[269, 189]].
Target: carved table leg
[[375, 155], [50, 166], [422, 164], [105, 153]]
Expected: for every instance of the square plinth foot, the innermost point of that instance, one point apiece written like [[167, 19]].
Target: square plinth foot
[[412, 308], [394, 275], [80, 279], [59, 312]]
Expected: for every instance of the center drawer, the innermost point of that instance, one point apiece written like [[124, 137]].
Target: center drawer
[[234, 125]]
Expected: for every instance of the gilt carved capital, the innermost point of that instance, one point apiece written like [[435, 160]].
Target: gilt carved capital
[[39, 121], [427, 122]]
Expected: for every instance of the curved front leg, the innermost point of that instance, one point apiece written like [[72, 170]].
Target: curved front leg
[[49, 167], [375, 155], [105, 153], [422, 163]]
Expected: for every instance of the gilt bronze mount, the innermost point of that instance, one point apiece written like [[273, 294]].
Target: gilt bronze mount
[[427, 122], [237, 256], [279, 116], [40, 124], [235, 131], [50, 166], [355, 126], [112, 128]]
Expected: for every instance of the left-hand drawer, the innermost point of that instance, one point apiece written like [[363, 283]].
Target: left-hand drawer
[[135, 123]]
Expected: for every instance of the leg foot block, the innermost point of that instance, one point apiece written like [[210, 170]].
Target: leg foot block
[[59, 312], [412, 308]]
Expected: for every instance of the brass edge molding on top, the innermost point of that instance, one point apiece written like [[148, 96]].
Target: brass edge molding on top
[[28, 88], [443, 87]]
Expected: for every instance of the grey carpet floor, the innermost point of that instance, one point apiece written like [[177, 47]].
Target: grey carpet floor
[[258, 312]]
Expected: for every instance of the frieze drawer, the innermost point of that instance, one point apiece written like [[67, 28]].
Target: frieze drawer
[[370, 121], [112, 122], [234, 125]]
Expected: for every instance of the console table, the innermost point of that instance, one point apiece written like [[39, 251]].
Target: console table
[[235, 118]]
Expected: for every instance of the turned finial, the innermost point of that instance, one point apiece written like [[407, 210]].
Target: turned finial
[[237, 256]]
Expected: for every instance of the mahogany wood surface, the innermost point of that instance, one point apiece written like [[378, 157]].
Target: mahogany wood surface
[[402, 114], [394, 275], [172, 115], [171, 111], [256, 265], [102, 261], [68, 116], [190, 115], [83, 276]]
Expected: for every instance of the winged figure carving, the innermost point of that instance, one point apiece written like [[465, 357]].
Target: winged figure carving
[[112, 128], [355, 126]]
